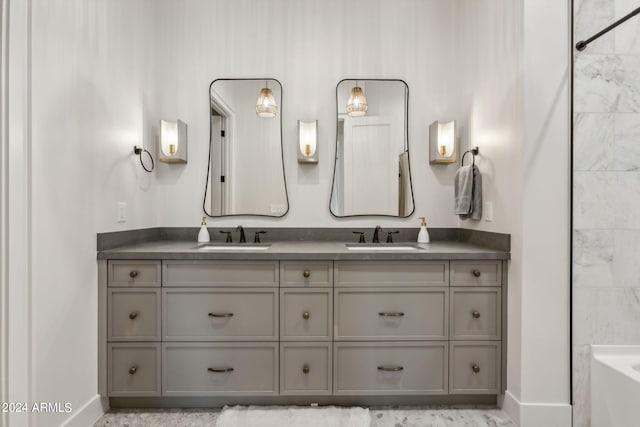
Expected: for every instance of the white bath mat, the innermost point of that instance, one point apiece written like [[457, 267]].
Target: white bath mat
[[293, 416]]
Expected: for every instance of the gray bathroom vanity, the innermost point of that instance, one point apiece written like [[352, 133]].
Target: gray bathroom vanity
[[301, 322]]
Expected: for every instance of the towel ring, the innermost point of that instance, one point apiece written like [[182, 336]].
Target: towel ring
[[474, 152]]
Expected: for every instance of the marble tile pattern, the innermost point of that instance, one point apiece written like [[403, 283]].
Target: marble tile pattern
[[590, 17], [627, 36], [606, 188], [433, 416], [581, 391]]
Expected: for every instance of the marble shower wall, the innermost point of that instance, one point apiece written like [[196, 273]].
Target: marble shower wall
[[606, 188]]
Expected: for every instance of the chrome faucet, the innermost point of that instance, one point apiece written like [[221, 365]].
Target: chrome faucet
[[376, 239], [243, 239]]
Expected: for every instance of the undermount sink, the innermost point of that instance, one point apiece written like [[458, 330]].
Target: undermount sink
[[239, 247], [381, 247]]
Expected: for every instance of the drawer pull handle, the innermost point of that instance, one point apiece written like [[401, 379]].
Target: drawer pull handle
[[475, 314], [133, 315], [475, 368], [476, 273], [305, 369], [306, 315], [390, 368], [391, 314], [220, 370], [220, 314], [133, 370], [133, 274], [306, 274]]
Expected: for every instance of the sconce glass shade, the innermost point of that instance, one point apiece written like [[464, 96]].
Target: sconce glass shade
[[357, 103], [308, 142], [442, 142], [173, 142], [266, 105]]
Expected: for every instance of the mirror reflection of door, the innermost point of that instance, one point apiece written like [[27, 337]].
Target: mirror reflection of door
[[246, 174], [372, 175], [370, 162]]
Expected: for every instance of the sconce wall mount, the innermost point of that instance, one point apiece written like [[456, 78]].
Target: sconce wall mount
[[443, 142], [173, 142], [307, 141]]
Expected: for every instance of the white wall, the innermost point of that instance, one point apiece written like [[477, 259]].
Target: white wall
[[546, 213], [90, 65], [309, 46], [490, 74], [517, 76]]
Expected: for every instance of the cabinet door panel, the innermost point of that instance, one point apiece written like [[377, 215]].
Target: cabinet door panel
[[220, 369], [391, 273], [306, 314], [220, 314], [476, 313], [220, 273], [364, 314], [390, 368]]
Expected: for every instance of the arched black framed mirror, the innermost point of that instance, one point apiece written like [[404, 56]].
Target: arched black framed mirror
[[372, 175], [246, 166]]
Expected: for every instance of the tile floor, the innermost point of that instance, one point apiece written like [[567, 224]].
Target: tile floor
[[380, 417]]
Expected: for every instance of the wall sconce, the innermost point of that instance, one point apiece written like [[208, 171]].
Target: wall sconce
[[173, 142], [357, 103], [307, 142], [442, 142]]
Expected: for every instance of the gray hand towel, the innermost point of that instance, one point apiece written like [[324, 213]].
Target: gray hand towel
[[468, 193]]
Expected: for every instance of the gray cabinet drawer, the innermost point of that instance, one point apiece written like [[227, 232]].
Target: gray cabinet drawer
[[133, 273], [391, 273], [220, 369], [306, 314], [220, 273], [475, 313], [305, 368], [390, 368], [364, 314], [134, 314], [220, 314], [475, 367], [134, 369], [476, 273], [306, 273]]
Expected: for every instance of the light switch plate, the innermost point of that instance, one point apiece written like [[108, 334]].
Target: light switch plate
[[122, 212], [488, 211]]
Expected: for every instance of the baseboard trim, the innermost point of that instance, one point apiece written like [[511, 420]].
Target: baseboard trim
[[511, 406], [537, 414], [89, 413]]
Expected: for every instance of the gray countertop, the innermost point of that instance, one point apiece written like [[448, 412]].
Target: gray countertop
[[308, 250]]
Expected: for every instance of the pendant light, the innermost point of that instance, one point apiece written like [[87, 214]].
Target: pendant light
[[266, 105], [357, 104]]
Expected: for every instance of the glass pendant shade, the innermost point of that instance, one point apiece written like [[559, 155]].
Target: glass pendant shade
[[266, 105], [357, 103]]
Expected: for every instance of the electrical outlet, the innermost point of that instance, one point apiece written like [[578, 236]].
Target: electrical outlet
[[488, 211], [122, 212]]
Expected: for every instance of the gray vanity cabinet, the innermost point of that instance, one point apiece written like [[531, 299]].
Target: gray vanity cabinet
[[235, 328], [133, 328], [306, 327], [391, 327], [475, 347]]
